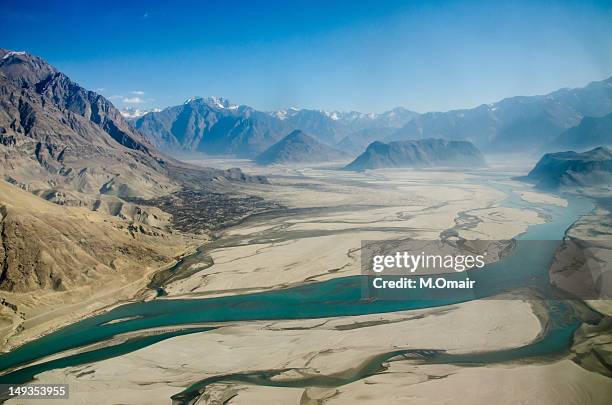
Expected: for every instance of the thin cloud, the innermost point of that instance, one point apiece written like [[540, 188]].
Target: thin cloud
[[134, 97], [133, 100]]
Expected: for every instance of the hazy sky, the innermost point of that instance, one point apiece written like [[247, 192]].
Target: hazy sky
[[347, 55]]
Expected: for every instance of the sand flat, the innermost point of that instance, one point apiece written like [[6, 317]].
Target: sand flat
[[313, 347], [561, 382], [543, 198], [340, 211]]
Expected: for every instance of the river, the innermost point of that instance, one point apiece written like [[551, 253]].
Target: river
[[336, 297]]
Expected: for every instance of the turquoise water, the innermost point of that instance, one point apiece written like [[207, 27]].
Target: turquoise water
[[526, 267]]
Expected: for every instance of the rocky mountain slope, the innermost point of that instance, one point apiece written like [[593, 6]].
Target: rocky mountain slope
[[573, 169], [516, 123], [297, 147], [45, 245], [418, 154], [215, 126], [57, 135], [60, 262], [590, 133], [82, 193]]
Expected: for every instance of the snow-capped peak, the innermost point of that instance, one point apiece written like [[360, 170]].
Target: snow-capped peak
[[218, 102], [13, 53], [214, 102], [192, 99], [285, 113], [333, 115], [345, 117], [280, 114]]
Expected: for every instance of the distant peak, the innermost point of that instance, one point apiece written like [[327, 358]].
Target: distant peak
[[297, 133], [333, 115], [285, 113], [24, 67], [218, 102], [191, 99], [214, 102]]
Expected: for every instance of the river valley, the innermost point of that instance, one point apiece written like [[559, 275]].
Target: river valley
[[273, 307]]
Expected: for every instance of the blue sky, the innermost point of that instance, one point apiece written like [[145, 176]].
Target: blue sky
[[345, 55]]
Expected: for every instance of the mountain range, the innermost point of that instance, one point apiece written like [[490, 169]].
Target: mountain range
[[333, 126], [79, 141], [215, 126], [517, 123]]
